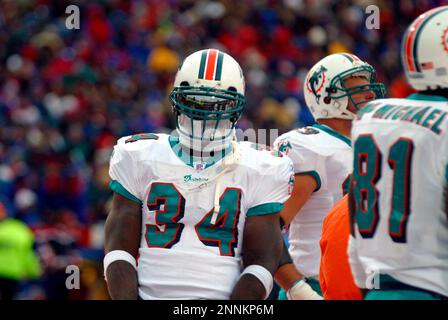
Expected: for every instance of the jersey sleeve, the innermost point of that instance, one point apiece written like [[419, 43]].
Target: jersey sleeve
[[272, 188], [305, 160], [123, 172]]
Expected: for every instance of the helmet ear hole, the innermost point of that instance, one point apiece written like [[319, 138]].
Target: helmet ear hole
[[184, 84], [232, 89], [327, 100]]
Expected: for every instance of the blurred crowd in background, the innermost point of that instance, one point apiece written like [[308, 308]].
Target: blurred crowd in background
[[67, 95]]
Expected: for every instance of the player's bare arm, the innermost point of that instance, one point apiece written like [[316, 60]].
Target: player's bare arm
[[262, 245], [286, 274], [304, 185], [122, 232]]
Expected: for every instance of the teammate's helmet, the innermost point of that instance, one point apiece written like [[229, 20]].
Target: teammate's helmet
[[325, 91], [208, 99], [424, 50]]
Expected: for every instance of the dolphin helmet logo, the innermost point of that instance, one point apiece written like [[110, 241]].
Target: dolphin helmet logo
[[316, 81]]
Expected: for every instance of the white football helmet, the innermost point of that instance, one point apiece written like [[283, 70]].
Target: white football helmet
[[208, 99], [326, 94], [424, 50]]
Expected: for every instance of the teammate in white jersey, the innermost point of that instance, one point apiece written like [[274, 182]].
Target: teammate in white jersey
[[335, 88], [399, 242], [199, 212]]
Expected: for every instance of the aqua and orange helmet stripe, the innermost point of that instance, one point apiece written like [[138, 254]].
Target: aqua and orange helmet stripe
[[210, 67], [351, 57], [410, 41]]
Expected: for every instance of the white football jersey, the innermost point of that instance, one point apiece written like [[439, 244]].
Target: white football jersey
[[327, 156], [188, 251], [400, 167]]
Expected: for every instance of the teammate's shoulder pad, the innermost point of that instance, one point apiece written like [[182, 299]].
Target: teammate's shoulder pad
[[139, 141], [264, 156], [306, 139]]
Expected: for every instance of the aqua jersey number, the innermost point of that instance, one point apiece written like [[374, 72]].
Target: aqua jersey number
[[169, 207], [367, 171], [400, 157], [224, 233]]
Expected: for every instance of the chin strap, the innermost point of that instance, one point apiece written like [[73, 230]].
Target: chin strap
[[228, 163]]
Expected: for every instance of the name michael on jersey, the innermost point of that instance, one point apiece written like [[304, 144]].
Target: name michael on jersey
[[427, 117]]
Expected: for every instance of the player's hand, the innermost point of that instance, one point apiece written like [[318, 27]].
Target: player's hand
[[302, 291]]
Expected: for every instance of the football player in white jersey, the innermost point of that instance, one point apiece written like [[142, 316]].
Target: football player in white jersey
[[335, 88], [196, 216], [399, 242]]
